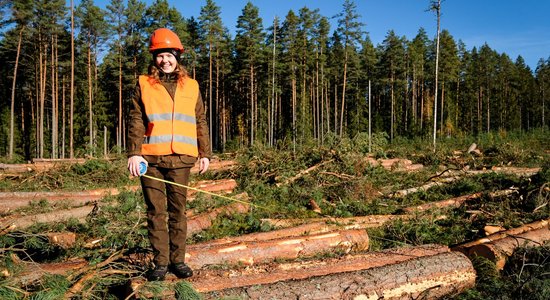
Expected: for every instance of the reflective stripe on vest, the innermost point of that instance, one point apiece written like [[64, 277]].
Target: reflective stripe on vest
[[172, 126]]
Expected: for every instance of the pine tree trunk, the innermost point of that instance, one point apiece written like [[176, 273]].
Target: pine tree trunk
[[90, 121], [436, 85], [119, 127], [71, 116], [220, 111], [294, 96], [392, 114], [53, 153], [271, 119], [13, 86], [210, 81], [63, 117], [343, 94], [441, 118], [43, 74], [252, 120]]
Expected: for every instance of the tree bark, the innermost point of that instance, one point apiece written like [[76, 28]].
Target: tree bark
[[371, 221], [71, 117], [13, 200], [299, 230], [436, 5], [255, 252], [465, 248], [57, 216], [453, 202], [499, 250], [13, 86], [427, 277], [216, 281], [216, 165], [213, 280], [33, 272], [220, 186]]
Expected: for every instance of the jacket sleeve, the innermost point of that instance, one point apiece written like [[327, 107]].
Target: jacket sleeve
[[203, 138], [136, 123]]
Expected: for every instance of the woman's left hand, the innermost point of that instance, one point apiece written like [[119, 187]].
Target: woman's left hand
[[203, 165]]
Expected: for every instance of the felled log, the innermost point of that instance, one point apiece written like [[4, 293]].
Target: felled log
[[15, 222], [465, 248], [45, 164], [425, 187], [300, 230], [456, 201], [33, 272], [518, 171], [394, 164], [426, 277], [363, 222], [202, 221], [521, 172], [217, 280], [216, 165], [213, 281], [453, 202], [213, 186], [13, 200], [456, 175], [499, 250], [254, 252], [38, 164], [64, 240], [16, 168]]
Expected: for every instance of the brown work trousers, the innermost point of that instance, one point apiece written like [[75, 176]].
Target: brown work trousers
[[166, 220]]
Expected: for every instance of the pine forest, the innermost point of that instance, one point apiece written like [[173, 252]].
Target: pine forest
[[69, 74]]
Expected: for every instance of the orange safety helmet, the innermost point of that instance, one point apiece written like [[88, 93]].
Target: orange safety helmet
[[164, 38]]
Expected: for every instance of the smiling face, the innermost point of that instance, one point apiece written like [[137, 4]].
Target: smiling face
[[166, 61]]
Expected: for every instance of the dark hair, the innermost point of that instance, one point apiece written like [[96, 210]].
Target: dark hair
[[154, 71]]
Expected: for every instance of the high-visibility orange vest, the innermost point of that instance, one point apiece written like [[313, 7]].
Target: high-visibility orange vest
[[172, 126]]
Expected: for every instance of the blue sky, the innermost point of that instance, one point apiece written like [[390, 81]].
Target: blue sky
[[507, 26]]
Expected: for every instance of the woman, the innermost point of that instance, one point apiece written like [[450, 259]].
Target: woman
[[167, 131]]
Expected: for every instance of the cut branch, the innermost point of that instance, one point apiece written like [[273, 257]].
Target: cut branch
[[303, 173]]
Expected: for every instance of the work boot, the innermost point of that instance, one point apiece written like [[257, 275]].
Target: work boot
[[158, 273], [181, 270]]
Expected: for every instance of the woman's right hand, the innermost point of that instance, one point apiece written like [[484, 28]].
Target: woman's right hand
[[133, 164]]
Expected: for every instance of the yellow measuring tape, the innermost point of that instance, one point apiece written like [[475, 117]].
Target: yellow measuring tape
[[203, 191]]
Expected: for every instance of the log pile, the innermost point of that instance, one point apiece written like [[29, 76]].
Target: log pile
[[12, 200], [251, 264], [427, 272], [497, 247]]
